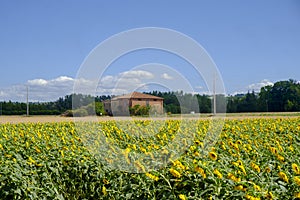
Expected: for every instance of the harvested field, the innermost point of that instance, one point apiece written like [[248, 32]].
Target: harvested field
[[51, 118]]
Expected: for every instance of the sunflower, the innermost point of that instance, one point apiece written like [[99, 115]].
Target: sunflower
[[269, 195], [182, 197], [104, 190], [280, 158], [223, 147], [218, 173], [213, 155], [236, 147], [179, 165], [273, 150], [175, 173], [239, 142], [243, 169], [105, 181], [233, 178], [268, 169], [297, 180], [251, 197], [196, 154], [30, 160], [240, 187], [193, 148], [257, 187], [200, 171], [283, 176], [296, 169], [255, 167], [37, 149], [151, 176]]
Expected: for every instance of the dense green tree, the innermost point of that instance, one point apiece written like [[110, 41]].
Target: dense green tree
[[264, 98], [247, 103], [284, 96]]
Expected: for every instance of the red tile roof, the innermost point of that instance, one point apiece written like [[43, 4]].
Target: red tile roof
[[136, 95]]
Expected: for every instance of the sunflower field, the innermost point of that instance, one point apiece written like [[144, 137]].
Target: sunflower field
[[255, 158]]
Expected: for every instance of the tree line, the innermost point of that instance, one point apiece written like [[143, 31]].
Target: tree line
[[281, 97], [57, 107]]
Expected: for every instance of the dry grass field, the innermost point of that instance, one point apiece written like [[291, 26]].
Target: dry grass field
[[51, 118]]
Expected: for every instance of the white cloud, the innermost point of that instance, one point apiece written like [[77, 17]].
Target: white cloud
[[254, 87], [63, 79], [124, 82], [257, 86], [2, 94], [43, 82], [166, 76], [39, 89], [37, 82], [136, 74]]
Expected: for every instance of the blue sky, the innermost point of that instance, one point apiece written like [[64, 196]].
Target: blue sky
[[44, 43]]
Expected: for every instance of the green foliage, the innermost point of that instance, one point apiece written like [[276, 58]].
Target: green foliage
[[139, 110], [62, 105], [81, 112], [282, 96], [179, 102], [99, 109], [95, 108]]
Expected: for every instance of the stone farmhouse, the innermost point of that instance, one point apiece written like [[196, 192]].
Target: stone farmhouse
[[120, 105]]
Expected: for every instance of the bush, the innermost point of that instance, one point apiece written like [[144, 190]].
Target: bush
[[80, 112], [139, 110]]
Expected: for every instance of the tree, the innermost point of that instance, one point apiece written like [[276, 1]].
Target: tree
[[264, 98], [139, 110], [285, 96]]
